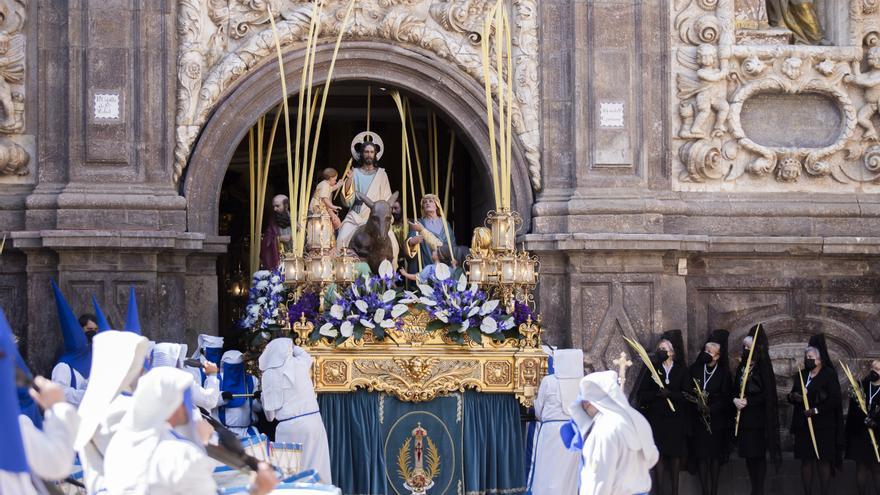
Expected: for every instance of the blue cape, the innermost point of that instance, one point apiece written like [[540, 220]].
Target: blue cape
[[234, 381], [12, 457]]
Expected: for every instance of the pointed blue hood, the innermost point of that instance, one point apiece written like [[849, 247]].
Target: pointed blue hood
[[102, 322], [132, 320], [28, 407], [77, 351], [12, 456]]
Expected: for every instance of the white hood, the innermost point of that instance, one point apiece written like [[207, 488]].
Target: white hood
[[568, 367], [272, 363], [205, 341], [117, 362], [168, 354], [159, 393], [602, 390]]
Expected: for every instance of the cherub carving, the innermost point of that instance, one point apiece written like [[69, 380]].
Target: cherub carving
[[871, 82], [709, 91], [12, 52]]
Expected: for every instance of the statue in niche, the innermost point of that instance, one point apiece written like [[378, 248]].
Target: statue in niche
[[871, 82], [709, 92], [12, 52], [800, 17]]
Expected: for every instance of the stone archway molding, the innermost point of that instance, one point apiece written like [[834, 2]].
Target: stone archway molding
[[222, 42], [452, 91]]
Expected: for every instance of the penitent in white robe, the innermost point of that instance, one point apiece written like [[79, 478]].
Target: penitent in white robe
[[71, 381], [50, 452], [289, 397], [146, 456], [380, 189], [555, 469]]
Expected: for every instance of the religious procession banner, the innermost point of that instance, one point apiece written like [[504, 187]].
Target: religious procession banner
[[423, 445], [468, 443]]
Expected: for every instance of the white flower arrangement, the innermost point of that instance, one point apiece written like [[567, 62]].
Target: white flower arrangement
[[266, 293], [369, 304]]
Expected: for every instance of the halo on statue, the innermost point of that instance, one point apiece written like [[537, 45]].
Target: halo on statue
[[363, 138]]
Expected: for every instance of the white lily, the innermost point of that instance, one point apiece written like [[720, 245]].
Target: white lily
[[398, 310], [442, 271], [385, 269], [489, 325], [474, 287], [327, 330], [354, 290], [379, 316], [262, 285], [388, 295], [488, 307], [361, 305], [473, 311], [261, 274], [462, 284], [427, 302], [261, 300], [368, 323], [442, 316], [346, 328], [336, 311], [388, 324], [465, 325], [426, 290]]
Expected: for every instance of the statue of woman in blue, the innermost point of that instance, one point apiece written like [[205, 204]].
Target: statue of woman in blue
[[432, 232]]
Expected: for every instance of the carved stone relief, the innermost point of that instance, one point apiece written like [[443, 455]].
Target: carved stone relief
[[14, 158], [220, 41], [752, 114]]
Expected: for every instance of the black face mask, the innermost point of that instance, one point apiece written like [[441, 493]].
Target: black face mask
[[704, 358], [873, 376], [90, 335], [661, 355], [809, 364]]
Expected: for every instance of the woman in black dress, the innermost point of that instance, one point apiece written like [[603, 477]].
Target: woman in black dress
[[670, 428], [826, 410], [710, 447], [759, 418], [858, 442]]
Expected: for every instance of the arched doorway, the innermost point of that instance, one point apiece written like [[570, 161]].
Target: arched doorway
[[455, 96]]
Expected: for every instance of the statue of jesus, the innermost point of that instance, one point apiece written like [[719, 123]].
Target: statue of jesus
[[369, 180]]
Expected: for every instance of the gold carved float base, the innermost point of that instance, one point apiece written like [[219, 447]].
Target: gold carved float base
[[418, 365]]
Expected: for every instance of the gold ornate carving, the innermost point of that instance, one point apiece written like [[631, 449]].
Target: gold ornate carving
[[334, 372], [221, 41], [497, 372], [416, 365]]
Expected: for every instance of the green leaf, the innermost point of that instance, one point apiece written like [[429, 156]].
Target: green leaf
[[434, 325], [476, 335]]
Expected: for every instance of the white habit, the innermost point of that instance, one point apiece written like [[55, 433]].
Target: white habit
[[50, 451], [205, 395], [289, 396], [117, 362], [71, 381], [618, 447], [555, 469], [146, 457]]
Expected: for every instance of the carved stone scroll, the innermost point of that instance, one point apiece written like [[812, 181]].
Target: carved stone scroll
[[719, 76]]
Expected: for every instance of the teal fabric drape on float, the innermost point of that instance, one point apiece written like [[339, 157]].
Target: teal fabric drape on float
[[362, 431], [493, 444], [355, 437]]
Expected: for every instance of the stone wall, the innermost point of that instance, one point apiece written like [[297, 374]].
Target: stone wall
[[641, 223]]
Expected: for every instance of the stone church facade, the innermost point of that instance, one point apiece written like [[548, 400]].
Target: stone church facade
[[679, 164]]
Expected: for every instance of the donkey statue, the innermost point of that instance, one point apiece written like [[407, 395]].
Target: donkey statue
[[372, 241]]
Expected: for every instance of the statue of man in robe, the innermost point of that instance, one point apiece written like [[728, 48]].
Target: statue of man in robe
[[800, 17], [368, 179]]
